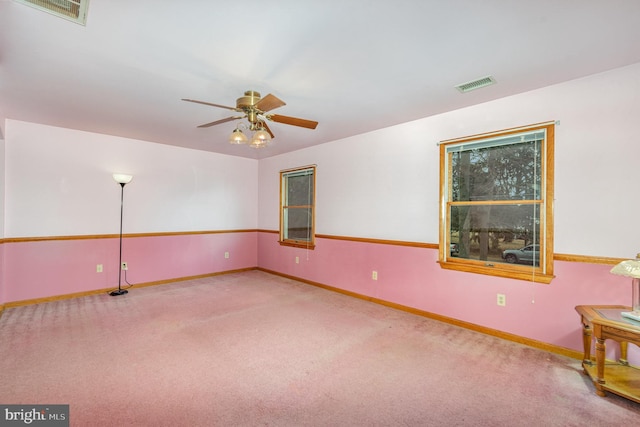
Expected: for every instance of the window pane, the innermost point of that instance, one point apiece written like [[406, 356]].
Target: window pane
[[504, 172], [484, 232], [297, 223], [299, 190]]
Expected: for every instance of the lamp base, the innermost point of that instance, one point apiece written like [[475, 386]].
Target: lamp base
[[633, 315], [118, 292]]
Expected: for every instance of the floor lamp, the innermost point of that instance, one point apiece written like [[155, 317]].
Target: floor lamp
[[123, 180]]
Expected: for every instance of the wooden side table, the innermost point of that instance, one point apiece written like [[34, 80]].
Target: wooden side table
[[604, 322]]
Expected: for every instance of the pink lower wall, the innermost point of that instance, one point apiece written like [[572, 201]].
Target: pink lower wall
[[407, 275], [38, 269], [412, 277], [2, 271]]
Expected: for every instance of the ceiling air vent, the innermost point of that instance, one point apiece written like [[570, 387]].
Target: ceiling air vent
[[73, 10], [476, 84]]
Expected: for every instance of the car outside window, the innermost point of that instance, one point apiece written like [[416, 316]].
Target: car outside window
[[528, 254]]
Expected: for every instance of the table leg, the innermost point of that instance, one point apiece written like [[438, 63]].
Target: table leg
[[623, 353], [600, 355], [586, 342]]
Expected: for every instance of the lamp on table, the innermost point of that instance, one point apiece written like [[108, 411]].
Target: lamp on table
[[631, 268]]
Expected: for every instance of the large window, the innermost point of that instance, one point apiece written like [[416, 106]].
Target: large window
[[297, 207], [496, 196]]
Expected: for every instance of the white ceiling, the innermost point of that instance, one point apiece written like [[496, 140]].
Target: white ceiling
[[352, 65]]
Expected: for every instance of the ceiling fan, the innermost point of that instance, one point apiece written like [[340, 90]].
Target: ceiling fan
[[256, 111]]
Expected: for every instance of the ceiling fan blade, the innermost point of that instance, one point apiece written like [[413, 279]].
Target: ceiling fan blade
[[209, 103], [217, 122], [266, 127], [310, 124], [269, 103]]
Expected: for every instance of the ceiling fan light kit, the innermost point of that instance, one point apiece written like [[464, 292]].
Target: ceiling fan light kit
[[260, 138], [255, 108]]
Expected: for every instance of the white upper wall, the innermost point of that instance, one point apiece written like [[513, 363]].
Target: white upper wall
[[385, 184], [59, 182], [382, 184]]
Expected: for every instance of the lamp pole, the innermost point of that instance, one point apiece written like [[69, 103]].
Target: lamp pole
[[122, 180]]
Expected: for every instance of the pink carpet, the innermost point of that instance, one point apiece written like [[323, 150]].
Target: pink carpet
[[253, 349]]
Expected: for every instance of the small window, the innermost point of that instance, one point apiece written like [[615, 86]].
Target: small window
[[297, 207], [496, 213]]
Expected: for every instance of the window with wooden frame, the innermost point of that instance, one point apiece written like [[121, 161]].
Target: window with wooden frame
[[297, 207], [496, 203]]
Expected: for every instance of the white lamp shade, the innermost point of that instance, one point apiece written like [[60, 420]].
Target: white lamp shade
[[121, 178], [260, 139], [237, 137], [629, 268]]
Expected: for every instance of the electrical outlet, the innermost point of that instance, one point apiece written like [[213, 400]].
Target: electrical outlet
[[297, 260], [374, 275], [125, 266], [226, 255], [502, 300], [99, 268]]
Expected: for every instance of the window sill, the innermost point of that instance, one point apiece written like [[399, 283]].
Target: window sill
[[297, 244], [527, 275]]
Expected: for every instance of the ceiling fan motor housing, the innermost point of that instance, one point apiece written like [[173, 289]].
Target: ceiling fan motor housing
[[249, 99], [247, 104]]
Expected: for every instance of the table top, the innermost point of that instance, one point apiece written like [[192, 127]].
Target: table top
[[609, 315]]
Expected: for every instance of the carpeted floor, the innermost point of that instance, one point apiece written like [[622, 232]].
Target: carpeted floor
[[254, 349]]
